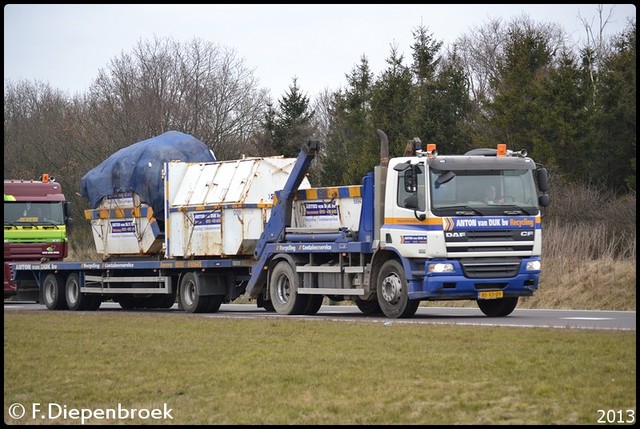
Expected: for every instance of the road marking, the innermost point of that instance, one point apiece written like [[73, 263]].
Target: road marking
[[587, 318]]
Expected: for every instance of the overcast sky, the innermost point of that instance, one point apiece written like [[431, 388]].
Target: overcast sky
[[65, 45]]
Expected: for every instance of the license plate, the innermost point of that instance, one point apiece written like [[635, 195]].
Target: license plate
[[490, 294]]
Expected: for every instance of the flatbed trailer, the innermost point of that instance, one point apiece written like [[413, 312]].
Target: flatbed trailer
[[205, 283]]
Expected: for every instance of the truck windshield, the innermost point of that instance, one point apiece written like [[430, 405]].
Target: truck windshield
[[491, 192], [21, 213]]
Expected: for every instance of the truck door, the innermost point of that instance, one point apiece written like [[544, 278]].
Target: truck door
[[405, 225]]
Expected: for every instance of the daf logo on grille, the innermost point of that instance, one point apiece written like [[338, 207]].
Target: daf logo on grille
[[455, 234], [526, 233]]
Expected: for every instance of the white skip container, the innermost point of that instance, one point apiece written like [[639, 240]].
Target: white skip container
[[221, 208]]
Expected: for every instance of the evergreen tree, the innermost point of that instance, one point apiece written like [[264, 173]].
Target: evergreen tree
[[425, 55], [441, 96], [563, 142], [517, 109], [392, 103], [351, 147], [449, 109], [615, 115], [288, 127]]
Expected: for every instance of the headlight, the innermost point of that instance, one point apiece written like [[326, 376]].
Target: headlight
[[440, 268], [533, 266]]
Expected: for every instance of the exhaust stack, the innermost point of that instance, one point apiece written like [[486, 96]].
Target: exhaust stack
[[384, 148], [379, 184]]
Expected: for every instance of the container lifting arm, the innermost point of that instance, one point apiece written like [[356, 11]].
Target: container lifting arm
[[280, 219]]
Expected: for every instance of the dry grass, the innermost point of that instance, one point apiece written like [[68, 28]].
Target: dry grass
[[603, 284], [588, 252]]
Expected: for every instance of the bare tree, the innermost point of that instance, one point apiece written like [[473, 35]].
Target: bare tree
[[596, 47], [197, 88], [482, 50], [34, 118]]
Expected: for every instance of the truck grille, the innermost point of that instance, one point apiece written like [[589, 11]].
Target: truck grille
[[466, 242], [490, 268]]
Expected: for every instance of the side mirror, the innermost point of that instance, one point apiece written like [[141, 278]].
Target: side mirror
[[402, 166], [544, 200], [543, 179], [411, 202], [68, 220]]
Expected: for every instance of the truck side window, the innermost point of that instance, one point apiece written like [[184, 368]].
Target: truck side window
[[410, 184]]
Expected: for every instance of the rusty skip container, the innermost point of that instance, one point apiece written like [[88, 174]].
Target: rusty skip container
[[123, 225], [221, 208]]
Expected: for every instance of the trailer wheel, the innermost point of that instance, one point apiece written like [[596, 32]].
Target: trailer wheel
[[127, 302], [76, 300], [191, 301], [498, 307], [368, 307], [284, 290], [53, 292], [392, 291]]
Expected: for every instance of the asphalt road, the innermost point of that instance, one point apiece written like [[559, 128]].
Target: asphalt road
[[524, 318]]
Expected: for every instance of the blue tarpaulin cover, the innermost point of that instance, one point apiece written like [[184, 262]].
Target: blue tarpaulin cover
[[138, 168]]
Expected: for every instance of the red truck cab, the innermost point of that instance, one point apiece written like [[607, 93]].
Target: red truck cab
[[36, 221]]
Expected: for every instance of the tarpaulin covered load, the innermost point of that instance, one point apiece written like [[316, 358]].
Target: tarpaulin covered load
[[138, 169]]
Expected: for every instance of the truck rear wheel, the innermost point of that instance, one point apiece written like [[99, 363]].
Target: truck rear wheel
[[315, 302], [392, 291], [189, 298], [215, 301], [78, 301], [127, 302], [168, 300], [53, 292], [498, 307], [283, 290]]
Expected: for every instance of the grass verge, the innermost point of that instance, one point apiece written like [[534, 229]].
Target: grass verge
[[221, 371]]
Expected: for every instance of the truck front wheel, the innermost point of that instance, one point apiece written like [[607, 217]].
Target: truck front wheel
[[283, 290], [392, 291], [53, 292], [498, 307], [368, 307]]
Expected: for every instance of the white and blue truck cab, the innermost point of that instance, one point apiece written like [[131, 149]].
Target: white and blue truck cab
[[422, 227]]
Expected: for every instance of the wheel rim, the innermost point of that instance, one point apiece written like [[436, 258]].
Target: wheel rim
[[391, 288], [189, 295], [50, 292], [72, 292], [283, 289]]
